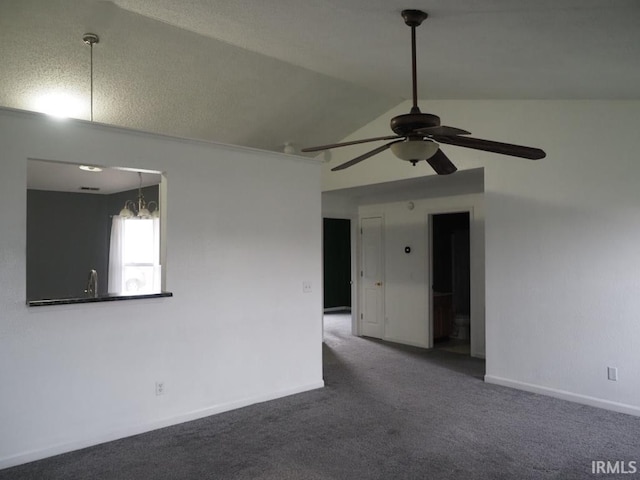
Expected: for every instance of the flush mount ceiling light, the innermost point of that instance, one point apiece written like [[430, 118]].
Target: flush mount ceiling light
[[90, 168], [140, 208], [90, 39]]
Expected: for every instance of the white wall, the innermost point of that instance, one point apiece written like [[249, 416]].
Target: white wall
[[243, 233], [562, 256], [406, 276]]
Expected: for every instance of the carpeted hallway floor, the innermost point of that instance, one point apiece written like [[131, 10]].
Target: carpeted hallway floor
[[387, 412]]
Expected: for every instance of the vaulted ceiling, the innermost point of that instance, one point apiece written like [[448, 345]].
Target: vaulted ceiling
[[260, 73]]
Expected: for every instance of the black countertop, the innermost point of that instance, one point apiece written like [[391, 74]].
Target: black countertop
[[102, 298]]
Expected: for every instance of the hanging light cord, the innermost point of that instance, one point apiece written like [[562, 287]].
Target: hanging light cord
[[90, 39], [91, 74], [141, 202]]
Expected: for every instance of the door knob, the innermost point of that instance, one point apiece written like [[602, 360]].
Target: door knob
[[378, 284]]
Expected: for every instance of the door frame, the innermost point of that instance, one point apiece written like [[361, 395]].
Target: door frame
[[472, 287]]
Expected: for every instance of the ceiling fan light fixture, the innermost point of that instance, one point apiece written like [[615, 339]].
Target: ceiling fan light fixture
[[414, 150]]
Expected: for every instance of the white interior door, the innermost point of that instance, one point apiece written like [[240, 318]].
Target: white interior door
[[372, 313]]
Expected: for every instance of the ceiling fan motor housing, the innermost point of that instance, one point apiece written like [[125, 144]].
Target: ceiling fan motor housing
[[406, 124], [414, 18]]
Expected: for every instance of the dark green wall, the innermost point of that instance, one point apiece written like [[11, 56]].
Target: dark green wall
[[68, 235], [337, 262]]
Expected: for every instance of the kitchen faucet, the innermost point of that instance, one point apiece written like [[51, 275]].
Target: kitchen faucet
[[92, 284]]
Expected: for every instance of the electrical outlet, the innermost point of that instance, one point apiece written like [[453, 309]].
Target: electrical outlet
[[159, 388], [612, 374], [306, 287]]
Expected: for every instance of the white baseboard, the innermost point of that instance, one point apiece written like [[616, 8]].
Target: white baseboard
[[565, 395], [40, 453]]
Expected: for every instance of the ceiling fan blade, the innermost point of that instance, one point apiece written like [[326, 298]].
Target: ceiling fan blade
[[491, 146], [362, 157], [442, 130], [345, 144], [441, 163]]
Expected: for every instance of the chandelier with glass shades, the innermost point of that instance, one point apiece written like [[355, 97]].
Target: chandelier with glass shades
[[140, 208]]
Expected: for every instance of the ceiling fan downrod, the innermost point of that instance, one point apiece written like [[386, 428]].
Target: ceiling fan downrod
[[414, 18]]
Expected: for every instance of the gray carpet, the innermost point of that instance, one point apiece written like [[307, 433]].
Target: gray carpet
[[387, 412]]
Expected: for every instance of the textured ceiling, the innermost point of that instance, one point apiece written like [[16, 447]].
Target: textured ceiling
[[467, 48], [260, 74]]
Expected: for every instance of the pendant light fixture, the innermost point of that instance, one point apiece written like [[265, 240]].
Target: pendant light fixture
[[90, 39], [140, 208]]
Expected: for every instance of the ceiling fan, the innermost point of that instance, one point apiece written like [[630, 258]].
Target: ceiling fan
[[417, 134]]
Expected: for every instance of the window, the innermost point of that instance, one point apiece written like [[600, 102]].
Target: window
[[134, 260]]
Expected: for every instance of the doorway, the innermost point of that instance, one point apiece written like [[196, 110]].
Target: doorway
[[450, 281], [336, 233]]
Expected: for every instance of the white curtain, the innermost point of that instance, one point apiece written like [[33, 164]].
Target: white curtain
[[157, 269], [134, 256], [116, 264]]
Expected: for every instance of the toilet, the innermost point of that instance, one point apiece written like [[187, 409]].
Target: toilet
[[461, 326]]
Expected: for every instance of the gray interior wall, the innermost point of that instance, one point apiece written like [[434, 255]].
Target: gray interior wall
[[68, 235]]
